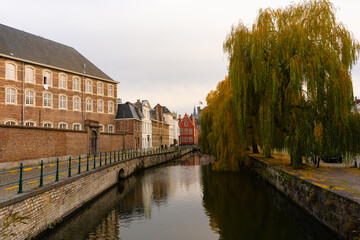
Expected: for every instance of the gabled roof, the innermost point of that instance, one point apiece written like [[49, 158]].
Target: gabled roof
[[128, 111], [165, 109], [24, 46]]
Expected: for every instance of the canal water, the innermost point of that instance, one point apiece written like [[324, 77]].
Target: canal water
[[185, 199]]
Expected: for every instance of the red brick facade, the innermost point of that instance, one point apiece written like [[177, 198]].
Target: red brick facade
[[188, 130], [21, 111]]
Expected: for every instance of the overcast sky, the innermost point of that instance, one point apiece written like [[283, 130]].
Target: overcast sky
[[166, 51]]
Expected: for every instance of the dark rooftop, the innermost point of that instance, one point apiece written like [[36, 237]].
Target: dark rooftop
[[22, 45], [128, 110]]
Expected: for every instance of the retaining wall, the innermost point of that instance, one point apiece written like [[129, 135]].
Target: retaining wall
[[32, 212], [338, 213]]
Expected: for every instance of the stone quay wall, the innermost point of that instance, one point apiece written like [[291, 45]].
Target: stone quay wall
[[33, 211], [340, 214]]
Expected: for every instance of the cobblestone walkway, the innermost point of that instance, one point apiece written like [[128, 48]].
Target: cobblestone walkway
[[344, 181]]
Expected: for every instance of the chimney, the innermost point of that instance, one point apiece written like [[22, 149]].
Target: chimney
[[119, 101]]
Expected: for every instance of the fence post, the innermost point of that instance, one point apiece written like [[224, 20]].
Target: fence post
[[110, 156], [41, 174], [87, 163], [94, 160], [69, 175], [20, 179], [79, 168], [105, 158], [57, 170], [100, 159]]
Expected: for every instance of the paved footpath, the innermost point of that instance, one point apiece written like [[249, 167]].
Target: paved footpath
[[344, 181]]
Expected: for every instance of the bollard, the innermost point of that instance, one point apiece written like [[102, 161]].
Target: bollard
[[87, 163], [57, 170], [20, 179], [79, 168], [41, 174], [69, 175]]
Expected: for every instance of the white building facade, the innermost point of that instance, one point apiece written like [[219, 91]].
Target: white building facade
[[146, 126], [176, 130]]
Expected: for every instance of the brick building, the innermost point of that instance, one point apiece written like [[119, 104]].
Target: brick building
[[160, 129], [188, 130], [47, 84], [129, 120]]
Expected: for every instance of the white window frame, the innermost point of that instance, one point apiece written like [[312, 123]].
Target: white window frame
[[100, 88], [29, 99], [110, 90], [76, 84], [111, 108], [29, 76], [89, 101], [62, 102], [63, 125], [77, 125], [88, 86], [11, 122], [30, 124], [62, 81], [48, 75], [10, 71], [186, 139], [49, 125], [47, 100], [191, 139], [11, 95], [111, 128], [190, 131], [78, 104], [186, 131], [100, 103], [102, 128]]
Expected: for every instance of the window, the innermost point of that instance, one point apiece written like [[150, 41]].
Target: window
[[47, 100], [76, 126], [100, 106], [88, 105], [111, 107], [62, 81], [30, 124], [47, 125], [102, 128], [10, 71], [10, 123], [63, 126], [190, 130], [29, 98], [110, 91], [185, 124], [181, 139], [100, 89], [186, 131], [181, 131], [76, 84], [29, 75], [110, 128], [47, 78], [11, 95], [190, 139], [76, 104], [62, 102], [186, 139], [88, 86]]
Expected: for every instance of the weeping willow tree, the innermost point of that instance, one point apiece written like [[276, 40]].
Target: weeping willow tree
[[291, 84]]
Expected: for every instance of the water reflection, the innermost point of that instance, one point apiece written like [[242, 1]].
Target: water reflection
[[186, 200]]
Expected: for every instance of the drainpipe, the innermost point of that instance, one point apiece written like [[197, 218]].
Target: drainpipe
[[83, 103], [22, 96]]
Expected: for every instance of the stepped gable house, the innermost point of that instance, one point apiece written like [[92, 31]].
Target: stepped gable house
[[188, 130], [53, 100]]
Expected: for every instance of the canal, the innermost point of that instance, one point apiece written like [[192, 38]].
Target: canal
[[185, 199]]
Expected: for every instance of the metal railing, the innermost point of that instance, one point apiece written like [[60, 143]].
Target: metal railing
[[71, 165]]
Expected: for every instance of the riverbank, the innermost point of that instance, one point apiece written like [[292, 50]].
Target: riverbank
[[26, 215], [331, 195]]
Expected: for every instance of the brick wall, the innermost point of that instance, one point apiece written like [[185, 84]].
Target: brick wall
[[24, 143]]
